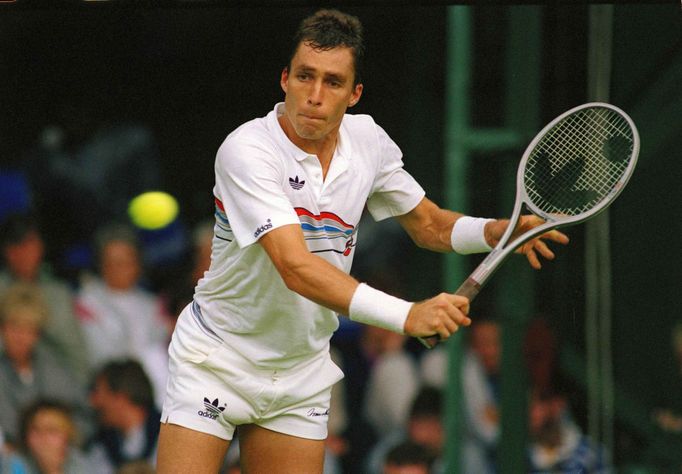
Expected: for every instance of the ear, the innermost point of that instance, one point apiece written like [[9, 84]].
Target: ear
[[284, 78], [355, 96]]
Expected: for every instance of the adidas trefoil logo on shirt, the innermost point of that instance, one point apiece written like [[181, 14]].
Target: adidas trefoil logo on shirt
[[295, 183]]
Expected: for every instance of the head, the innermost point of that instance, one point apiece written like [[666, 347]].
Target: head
[[546, 411], [23, 314], [118, 388], [322, 78], [407, 458], [485, 342], [118, 257], [23, 248], [541, 353], [47, 424], [425, 424], [329, 29]]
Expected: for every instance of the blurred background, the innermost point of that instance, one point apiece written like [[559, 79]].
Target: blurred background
[[101, 101]]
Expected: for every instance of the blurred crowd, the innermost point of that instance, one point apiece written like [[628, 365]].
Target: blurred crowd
[[88, 304], [83, 367]]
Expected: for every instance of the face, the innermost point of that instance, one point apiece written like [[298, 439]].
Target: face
[[319, 88], [19, 338], [106, 403], [24, 258], [427, 431], [49, 429], [485, 340], [120, 265], [545, 420]]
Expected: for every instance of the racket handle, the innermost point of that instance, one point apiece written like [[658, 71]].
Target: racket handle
[[470, 289]]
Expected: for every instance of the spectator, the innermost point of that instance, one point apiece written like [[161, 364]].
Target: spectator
[[424, 428], [28, 369], [557, 443], [407, 458], [119, 318], [23, 252], [128, 421], [386, 408], [480, 371], [181, 290], [49, 440]]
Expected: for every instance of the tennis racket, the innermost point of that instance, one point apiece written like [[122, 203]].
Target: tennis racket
[[572, 170]]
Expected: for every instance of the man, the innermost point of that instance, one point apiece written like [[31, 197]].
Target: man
[[480, 380], [128, 428], [557, 442], [252, 350], [424, 428]]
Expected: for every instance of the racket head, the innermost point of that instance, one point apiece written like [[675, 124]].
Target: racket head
[[578, 164]]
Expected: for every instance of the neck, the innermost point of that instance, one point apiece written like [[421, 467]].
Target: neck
[[323, 148]]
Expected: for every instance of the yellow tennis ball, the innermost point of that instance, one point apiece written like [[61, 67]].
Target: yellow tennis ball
[[153, 210]]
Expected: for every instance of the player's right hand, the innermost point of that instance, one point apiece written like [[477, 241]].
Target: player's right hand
[[441, 315]]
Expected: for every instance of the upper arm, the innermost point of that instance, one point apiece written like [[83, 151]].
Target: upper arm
[[286, 248], [429, 225]]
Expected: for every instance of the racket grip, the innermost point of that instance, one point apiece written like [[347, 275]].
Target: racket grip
[[469, 289]]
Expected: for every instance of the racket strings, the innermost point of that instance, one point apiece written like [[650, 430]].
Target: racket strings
[[579, 162]]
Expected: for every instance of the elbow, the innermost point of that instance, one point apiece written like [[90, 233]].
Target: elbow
[[292, 275]]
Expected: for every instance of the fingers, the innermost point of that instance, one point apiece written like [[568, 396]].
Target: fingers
[[442, 315], [556, 236]]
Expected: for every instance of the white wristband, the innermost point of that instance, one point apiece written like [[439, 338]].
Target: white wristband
[[468, 236], [371, 306]]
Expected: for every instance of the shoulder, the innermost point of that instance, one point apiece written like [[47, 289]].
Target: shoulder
[[361, 127], [252, 139]]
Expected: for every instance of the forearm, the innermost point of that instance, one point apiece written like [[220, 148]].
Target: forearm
[[317, 280], [429, 226]]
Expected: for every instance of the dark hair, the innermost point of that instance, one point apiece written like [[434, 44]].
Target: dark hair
[[128, 377], [328, 29], [428, 402], [16, 227], [113, 232], [408, 453]]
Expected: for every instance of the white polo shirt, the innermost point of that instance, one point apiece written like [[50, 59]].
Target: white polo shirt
[[264, 181]]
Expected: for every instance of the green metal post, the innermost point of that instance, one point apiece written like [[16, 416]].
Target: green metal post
[[457, 113]]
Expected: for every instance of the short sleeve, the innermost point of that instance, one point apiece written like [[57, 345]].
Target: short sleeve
[[395, 192], [249, 185]]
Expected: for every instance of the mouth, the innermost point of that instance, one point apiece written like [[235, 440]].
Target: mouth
[[312, 117]]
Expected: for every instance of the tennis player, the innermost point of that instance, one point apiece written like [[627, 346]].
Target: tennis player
[[252, 350]]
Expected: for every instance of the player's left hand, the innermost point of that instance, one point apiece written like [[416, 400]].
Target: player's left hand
[[532, 249]]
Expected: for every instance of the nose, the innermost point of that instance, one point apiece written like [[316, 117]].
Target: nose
[[315, 93]]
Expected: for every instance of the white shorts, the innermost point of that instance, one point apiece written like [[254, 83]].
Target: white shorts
[[213, 389]]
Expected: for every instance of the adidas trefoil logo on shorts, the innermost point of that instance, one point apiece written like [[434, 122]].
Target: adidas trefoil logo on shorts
[[212, 409]]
